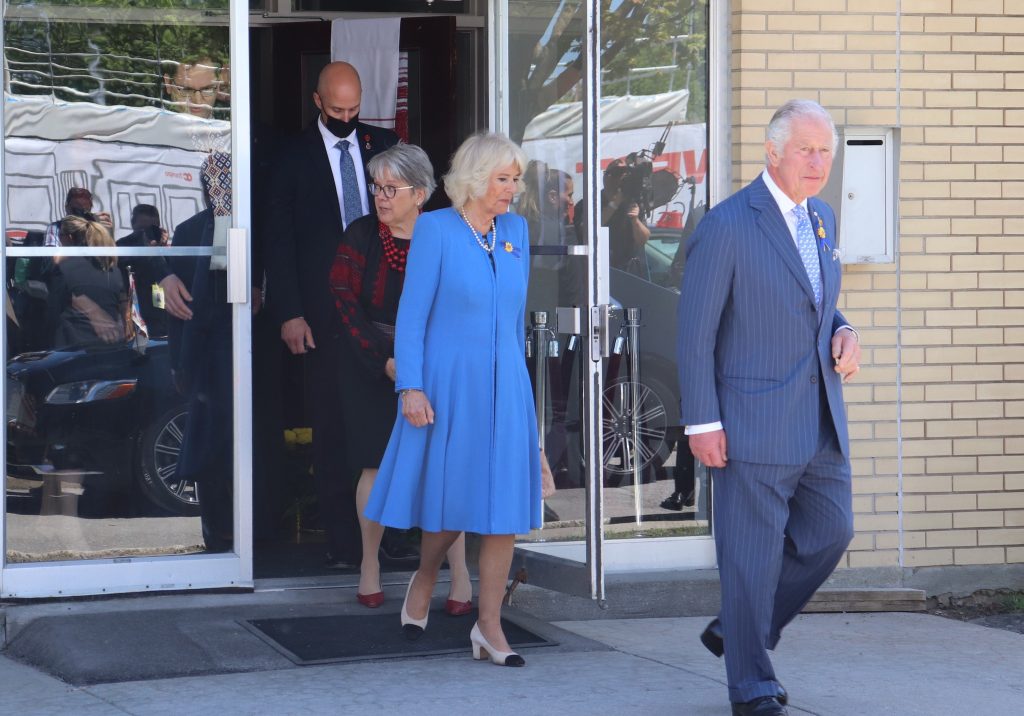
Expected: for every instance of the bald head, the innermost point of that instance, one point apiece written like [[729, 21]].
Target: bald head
[[338, 91]]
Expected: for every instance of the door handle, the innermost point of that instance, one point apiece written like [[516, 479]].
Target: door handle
[[600, 319], [238, 266]]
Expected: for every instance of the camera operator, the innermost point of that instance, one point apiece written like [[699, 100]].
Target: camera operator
[[621, 213], [77, 203], [149, 270]]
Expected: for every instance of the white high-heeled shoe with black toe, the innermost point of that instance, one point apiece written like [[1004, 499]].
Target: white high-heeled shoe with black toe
[[413, 628], [483, 650]]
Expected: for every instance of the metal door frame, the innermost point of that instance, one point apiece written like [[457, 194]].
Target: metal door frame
[[198, 571]]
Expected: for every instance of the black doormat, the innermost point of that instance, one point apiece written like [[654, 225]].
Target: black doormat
[[355, 637]]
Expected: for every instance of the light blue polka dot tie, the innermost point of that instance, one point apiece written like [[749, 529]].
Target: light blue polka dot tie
[[349, 184], [808, 248]]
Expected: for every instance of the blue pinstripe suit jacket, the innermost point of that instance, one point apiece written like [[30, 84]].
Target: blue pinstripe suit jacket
[[752, 346]]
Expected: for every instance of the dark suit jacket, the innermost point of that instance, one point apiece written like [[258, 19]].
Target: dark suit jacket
[[753, 350], [304, 227]]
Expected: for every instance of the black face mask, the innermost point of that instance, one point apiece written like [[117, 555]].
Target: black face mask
[[339, 127]]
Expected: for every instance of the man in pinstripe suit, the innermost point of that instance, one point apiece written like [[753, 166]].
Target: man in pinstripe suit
[[763, 353]]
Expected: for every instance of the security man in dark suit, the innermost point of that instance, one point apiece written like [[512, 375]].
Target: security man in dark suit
[[318, 188]]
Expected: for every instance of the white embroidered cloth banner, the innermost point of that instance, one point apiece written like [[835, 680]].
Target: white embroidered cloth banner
[[372, 47]]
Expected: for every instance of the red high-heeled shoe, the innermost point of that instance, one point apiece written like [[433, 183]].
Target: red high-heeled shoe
[[457, 609], [371, 601]]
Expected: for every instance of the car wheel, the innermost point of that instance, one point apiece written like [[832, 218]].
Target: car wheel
[[159, 449], [621, 448]]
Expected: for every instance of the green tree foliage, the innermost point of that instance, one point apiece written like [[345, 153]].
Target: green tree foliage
[[108, 63], [546, 63]]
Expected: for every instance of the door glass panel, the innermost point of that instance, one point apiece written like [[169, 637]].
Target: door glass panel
[[653, 151], [545, 79], [117, 195]]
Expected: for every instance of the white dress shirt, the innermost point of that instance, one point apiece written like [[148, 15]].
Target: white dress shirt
[[786, 207], [334, 157]]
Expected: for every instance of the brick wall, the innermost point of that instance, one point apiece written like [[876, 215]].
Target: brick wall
[[941, 393]]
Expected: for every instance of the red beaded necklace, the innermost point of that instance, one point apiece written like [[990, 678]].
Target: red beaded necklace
[[395, 256]]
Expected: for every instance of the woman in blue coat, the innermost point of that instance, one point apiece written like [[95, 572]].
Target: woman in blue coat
[[464, 454]]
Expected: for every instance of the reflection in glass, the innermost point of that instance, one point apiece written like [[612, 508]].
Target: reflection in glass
[[107, 128], [653, 154]]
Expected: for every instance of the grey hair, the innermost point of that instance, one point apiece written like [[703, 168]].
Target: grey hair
[[407, 163], [474, 162], [781, 126]]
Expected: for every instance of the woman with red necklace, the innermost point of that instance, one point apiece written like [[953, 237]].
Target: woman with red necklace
[[367, 279]]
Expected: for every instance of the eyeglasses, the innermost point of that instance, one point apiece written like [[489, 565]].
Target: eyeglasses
[[193, 92], [387, 190]]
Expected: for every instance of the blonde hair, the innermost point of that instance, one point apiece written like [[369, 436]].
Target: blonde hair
[[474, 162], [84, 232]]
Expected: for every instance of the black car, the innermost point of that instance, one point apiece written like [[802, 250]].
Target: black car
[[105, 418]]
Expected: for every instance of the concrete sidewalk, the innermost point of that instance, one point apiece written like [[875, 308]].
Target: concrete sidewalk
[[833, 665]]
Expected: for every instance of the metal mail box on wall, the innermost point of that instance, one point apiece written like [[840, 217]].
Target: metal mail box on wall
[[862, 190]]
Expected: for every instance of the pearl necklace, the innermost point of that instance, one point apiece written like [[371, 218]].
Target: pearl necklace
[[489, 248]]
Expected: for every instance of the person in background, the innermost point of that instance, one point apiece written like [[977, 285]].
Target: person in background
[[149, 271], [464, 454], [79, 203], [318, 188], [195, 86], [367, 279], [88, 300]]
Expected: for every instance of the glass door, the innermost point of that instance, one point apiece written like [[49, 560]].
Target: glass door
[[610, 101], [126, 267]]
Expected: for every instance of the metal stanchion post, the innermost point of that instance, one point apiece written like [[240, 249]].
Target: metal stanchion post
[[632, 326]]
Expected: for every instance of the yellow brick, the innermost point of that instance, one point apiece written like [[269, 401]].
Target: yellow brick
[[842, 60], [774, 42], [925, 118], [955, 172], [978, 446], [1001, 501], [793, 23], [874, 523], [1013, 518], [846, 22], [1001, 463], [1014, 554], [1000, 171], [977, 336], [997, 63], [997, 207], [977, 189], [767, 5], [950, 135], [951, 207], [978, 80], [845, 98], [1001, 25], [1001, 537], [927, 557], [978, 409], [924, 337], [748, 60], [929, 299], [911, 43], [976, 226], [1001, 317], [979, 555], [952, 538], [948, 25], [951, 465], [948, 62], [981, 262], [1007, 428], [951, 428], [977, 519], [926, 80], [870, 80], [927, 521], [1005, 279], [820, 42], [911, 98], [1001, 354], [883, 23], [977, 43], [819, 80], [939, 317], [977, 299], [927, 483], [977, 154], [874, 558], [945, 503], [882, 42], [749, 22], [977, 7]]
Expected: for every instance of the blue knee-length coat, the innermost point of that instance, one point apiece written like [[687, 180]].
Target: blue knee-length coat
[[460, 338]]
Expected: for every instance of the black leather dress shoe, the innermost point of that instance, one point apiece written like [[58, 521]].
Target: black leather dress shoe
[[712, 638], [677, 501], [761, 706], [714, 641]]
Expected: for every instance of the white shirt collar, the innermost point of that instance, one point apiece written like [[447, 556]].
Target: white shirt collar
[[785, 203], [331, 140]]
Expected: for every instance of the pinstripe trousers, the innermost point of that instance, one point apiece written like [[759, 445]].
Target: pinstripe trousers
[[780, 530]]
